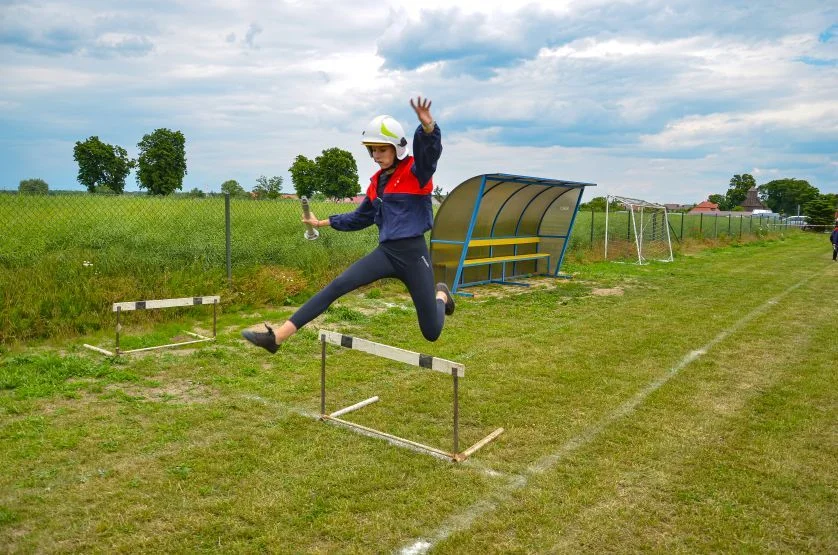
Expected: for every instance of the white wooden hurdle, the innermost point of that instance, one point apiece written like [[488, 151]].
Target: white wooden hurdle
[[161, 303], [454, 369]]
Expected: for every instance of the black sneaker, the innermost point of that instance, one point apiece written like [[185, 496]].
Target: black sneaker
[[449, 303], [264, 339]]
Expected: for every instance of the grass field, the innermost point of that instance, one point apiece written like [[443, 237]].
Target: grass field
[[684, 407]]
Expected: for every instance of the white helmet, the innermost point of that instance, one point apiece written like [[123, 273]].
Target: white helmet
[[385, 130]]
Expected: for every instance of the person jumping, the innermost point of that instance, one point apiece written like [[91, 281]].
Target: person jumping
[[398, 201]]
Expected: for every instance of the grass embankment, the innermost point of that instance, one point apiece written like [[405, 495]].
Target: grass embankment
[[670, 407]]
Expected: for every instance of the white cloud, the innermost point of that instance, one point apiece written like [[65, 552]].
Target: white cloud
[[627, 94]]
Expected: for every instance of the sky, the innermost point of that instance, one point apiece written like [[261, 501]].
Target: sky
[[659, 100]]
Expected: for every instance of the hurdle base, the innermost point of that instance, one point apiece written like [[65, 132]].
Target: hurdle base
[[402, 442], [118, 352], [182, 343], [98, 349]]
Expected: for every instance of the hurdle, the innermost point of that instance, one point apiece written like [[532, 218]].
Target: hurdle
[[128, 306], [454, 369]]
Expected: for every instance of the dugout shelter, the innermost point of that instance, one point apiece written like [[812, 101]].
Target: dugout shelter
[[495, 227]]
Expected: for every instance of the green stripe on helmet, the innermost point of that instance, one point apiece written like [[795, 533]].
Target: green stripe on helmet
[[387, 133]]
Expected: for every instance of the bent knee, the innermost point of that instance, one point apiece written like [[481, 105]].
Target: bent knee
[[432, 335]]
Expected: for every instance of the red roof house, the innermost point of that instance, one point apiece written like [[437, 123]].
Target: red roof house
[[705, 206]]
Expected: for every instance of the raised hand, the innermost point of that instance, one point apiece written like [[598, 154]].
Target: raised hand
[[423, 110]]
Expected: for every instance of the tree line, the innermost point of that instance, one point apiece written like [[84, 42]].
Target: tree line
[[161, 167], [786, 196], [782, 196], [161, 163]]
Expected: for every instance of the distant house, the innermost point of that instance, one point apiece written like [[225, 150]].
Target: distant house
[[288, 196], [752, 202], [675, 207], [705, 206]]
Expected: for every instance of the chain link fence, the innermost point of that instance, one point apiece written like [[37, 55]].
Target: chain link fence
[[167, 231], [65, 258]]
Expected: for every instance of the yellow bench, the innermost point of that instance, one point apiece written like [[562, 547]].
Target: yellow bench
[[499, 259], [504, 241]]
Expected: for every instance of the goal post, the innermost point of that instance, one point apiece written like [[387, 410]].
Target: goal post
[[640, 232]]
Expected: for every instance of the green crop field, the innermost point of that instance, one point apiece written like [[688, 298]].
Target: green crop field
[[681, 407]]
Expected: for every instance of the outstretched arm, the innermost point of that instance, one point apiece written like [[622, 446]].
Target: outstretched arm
[[427, 141], [360, 218]]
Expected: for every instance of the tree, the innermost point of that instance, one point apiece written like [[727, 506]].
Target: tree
[[34, 186], [268, 188], [738, 190], [102, 166], [821, 210], [161, 162], [717, 199], [439, 194], [784, 196], [232, 188], [196, 193], [337, 173], [597, 204], [334, 173], [304, 176]]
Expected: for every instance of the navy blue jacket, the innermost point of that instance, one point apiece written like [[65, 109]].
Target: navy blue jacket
[[402, 207], [834, 236]]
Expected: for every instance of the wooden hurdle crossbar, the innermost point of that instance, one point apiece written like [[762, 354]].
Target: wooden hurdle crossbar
[[454, 369], [128, 306]]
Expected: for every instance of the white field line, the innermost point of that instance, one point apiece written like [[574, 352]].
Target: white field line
[[463, 520]]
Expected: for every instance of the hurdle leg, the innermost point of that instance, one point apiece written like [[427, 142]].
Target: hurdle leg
[[118, 310], [322, 375], [214, 317], [456, 411]]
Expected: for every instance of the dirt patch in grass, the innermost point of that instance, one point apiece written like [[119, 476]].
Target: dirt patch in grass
[[181, 391], [499, 291], [607, 292]]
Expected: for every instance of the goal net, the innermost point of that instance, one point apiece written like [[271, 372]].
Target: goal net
[[640, 231]]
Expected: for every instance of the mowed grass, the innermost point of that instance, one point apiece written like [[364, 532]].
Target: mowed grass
[[671, 407]]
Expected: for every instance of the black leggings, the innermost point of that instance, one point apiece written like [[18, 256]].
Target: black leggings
[[405, 259]]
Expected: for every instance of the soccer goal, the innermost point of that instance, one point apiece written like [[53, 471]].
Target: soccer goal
[[639, 231]]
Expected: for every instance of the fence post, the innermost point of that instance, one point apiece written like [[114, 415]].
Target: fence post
[[592, 227], [740, 225], [701, 226], [715, 225], [682, 225], [227, 237], [729, 221]]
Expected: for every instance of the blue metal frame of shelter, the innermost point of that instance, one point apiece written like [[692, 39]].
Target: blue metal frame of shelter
[[487, 183]]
